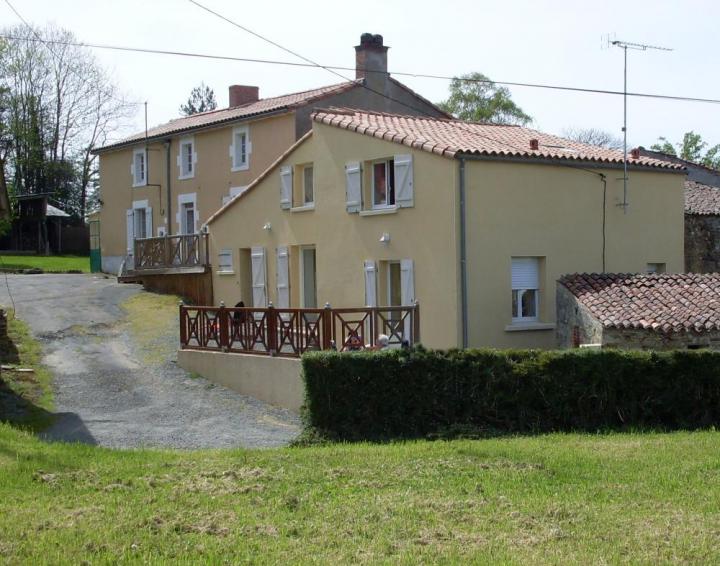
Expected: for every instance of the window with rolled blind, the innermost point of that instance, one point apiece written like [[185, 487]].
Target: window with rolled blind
[[525, 289]]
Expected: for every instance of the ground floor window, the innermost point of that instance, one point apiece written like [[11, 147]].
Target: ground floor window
[[525, 289]]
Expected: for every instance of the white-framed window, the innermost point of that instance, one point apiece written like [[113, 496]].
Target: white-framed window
[[525, 289], [139, 167], [140, 223], [655, 268], [187, 215], [240, 148], [187, 158], [383, 183], [308, 188], [225, 261]]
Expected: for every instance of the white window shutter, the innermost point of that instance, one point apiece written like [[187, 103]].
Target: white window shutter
[[407, 282], [370, 283], [407, 290], [148, 222], [525, 273], [403, 180], [283, 278], [286, 187], [130, 230], [353, 187], [259, 277]]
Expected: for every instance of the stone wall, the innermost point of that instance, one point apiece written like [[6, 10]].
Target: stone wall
[[648, 340], [574, 325], [702, 243]]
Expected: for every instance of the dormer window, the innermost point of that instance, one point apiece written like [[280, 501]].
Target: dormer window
[[240, 149], [139, 167]]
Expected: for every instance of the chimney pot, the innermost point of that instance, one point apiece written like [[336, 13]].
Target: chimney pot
[[534, 144], [371, 59], [635, 153], [243, 94]]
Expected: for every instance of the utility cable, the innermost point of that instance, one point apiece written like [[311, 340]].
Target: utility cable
[[341, 68], [310, 61], [47, 44]]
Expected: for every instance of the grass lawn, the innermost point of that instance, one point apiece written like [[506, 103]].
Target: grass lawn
[[25, 397], [48, 263], [580, 499]]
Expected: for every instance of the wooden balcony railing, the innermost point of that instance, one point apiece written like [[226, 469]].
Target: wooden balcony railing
[[183, 250], [291, 332]]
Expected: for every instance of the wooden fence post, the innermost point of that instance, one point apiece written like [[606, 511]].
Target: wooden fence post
[[327, 327], [271, 329], [183, 326], [416, 323], [223, 322]]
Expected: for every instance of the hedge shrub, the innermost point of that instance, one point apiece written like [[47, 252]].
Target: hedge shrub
[[418, 392]]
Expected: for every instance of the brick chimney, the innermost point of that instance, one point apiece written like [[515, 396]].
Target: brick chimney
[[242, 94], [371, 59]]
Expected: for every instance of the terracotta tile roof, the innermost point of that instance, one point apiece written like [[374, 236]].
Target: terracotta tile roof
[[666, 303], [276, 104], [701, 199], [449, 138]]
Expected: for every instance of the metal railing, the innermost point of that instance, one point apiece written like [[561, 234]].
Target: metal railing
[[292, 332], [181, 250]]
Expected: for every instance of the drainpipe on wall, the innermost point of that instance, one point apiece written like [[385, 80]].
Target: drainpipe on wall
[[463, 257], [168, 208]]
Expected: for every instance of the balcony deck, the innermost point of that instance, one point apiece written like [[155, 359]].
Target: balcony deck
[[170, 255]]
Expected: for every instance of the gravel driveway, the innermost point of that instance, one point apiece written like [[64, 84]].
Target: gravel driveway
[[106, 395]]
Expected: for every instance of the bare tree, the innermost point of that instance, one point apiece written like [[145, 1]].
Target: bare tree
[[64, 105], [593, 136]]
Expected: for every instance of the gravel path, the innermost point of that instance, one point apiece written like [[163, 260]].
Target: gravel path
[[106, 395]]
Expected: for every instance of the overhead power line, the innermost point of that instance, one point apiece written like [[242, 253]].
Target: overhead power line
[[310, 61], [39, 39], [341, 68]]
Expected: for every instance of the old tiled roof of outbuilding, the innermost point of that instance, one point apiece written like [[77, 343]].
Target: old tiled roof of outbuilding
[[263, 106], [450, 138], [701, 199], [666, 303]]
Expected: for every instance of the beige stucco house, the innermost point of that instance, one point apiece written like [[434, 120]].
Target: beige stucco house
[[170, 179], [476, 222]]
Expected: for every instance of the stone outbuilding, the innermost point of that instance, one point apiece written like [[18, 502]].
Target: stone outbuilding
[[702, 213], [702, 227], [639, 311]]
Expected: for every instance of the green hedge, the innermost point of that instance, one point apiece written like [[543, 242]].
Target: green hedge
[[400, 394]]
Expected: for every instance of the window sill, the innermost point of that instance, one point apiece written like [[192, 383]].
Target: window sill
[[225, 272], [185, 177], [379, 211], [139, 185], [304, 208], [237, 168], [529, 326]]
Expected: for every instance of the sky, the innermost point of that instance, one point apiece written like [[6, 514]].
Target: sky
[[534, 41]]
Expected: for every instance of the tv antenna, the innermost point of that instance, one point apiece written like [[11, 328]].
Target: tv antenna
[[625, 45]]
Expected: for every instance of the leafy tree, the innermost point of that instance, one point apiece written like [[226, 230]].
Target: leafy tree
[[475, 97], [61, 105], [202, 99], [691, 148], [594, 136]]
